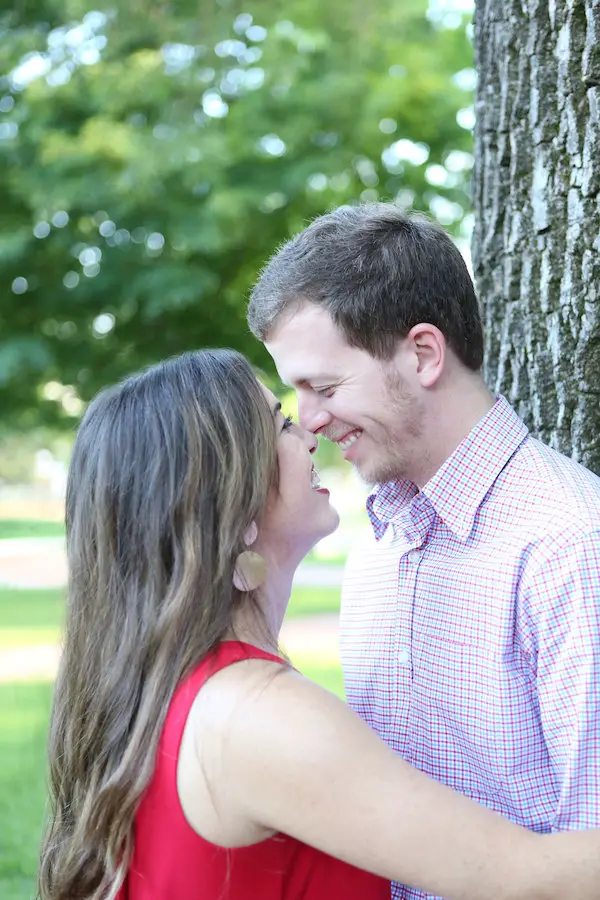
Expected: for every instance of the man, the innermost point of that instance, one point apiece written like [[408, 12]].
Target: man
[[470, 630]]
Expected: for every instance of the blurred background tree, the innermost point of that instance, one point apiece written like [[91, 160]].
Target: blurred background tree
[[153, 155]]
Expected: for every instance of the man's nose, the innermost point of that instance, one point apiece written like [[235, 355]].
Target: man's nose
[[311, 414]]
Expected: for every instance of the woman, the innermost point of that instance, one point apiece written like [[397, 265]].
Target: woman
[[188, 759]]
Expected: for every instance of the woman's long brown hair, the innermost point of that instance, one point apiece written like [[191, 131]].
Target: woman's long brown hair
[[168, 471]]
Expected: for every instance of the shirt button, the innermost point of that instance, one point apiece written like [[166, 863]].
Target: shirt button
[[414, 556], [404, 656]]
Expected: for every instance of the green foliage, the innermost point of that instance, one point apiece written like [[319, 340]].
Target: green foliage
[[166, 149], [19, 451]]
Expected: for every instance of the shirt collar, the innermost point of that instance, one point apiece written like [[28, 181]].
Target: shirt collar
[[458, 488], [387, 504]]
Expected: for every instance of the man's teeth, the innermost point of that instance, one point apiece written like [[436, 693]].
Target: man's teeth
[[343, 445]]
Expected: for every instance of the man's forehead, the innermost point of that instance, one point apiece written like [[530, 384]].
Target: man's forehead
[[304, 325], [307, 348], [299, 373]]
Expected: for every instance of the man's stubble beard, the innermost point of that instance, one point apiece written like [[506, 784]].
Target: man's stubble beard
[[399, 444]]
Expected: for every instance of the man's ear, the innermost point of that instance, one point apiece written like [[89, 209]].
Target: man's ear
[[429, 347]]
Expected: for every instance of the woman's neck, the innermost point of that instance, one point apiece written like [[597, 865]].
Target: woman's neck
[[261, 626]]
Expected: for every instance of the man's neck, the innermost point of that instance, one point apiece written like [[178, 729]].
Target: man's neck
[[455, 413]]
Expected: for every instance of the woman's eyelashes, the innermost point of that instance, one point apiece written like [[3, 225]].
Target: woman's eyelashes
[[287, 423]]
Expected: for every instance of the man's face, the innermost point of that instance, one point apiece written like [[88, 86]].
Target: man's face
[[370, 408]]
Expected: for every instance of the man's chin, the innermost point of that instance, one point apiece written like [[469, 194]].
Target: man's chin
[[372, 475], [367, 475]]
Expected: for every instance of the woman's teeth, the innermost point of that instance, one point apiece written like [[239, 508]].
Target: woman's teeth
[[351, 439], [314, 480]]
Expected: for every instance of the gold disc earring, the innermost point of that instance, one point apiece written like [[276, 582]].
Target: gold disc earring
[[250, 571]]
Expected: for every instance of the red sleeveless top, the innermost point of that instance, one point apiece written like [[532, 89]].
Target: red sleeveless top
[[172, 862]]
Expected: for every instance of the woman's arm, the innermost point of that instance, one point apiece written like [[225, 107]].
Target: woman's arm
[[289, 756]]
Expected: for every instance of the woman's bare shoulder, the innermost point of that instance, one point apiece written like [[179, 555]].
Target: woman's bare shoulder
[[230, 712]]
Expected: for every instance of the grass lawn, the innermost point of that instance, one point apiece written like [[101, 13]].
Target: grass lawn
[[24, 712], [35, 616], [315, 559], [26, 528], [308, 601], [32, 618]]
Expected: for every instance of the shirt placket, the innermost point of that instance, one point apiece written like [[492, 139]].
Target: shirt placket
[[411, 533]]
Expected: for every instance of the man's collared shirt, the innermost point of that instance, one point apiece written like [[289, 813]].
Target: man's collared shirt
[[470, 627]]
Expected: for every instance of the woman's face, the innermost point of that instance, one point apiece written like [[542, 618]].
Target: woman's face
[[298, 513]]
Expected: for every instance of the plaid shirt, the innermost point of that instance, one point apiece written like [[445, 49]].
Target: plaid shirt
[[470, 630]]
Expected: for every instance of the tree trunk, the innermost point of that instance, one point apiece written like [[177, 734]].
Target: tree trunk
[[536, 246]]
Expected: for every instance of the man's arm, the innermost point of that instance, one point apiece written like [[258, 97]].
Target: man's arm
[[563, 598]]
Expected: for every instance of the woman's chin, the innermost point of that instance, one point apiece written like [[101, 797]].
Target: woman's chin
[[302, 538], [329, 524], [335, 519]]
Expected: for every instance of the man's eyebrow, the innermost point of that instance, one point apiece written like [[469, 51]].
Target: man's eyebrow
[[310, 380]]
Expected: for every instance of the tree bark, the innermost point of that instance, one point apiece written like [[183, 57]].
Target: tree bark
[[536, 246]]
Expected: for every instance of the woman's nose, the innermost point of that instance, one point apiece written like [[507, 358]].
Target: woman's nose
[[311, 440]]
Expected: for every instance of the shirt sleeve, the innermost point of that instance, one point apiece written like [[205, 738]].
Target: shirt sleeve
[[564, 602]]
